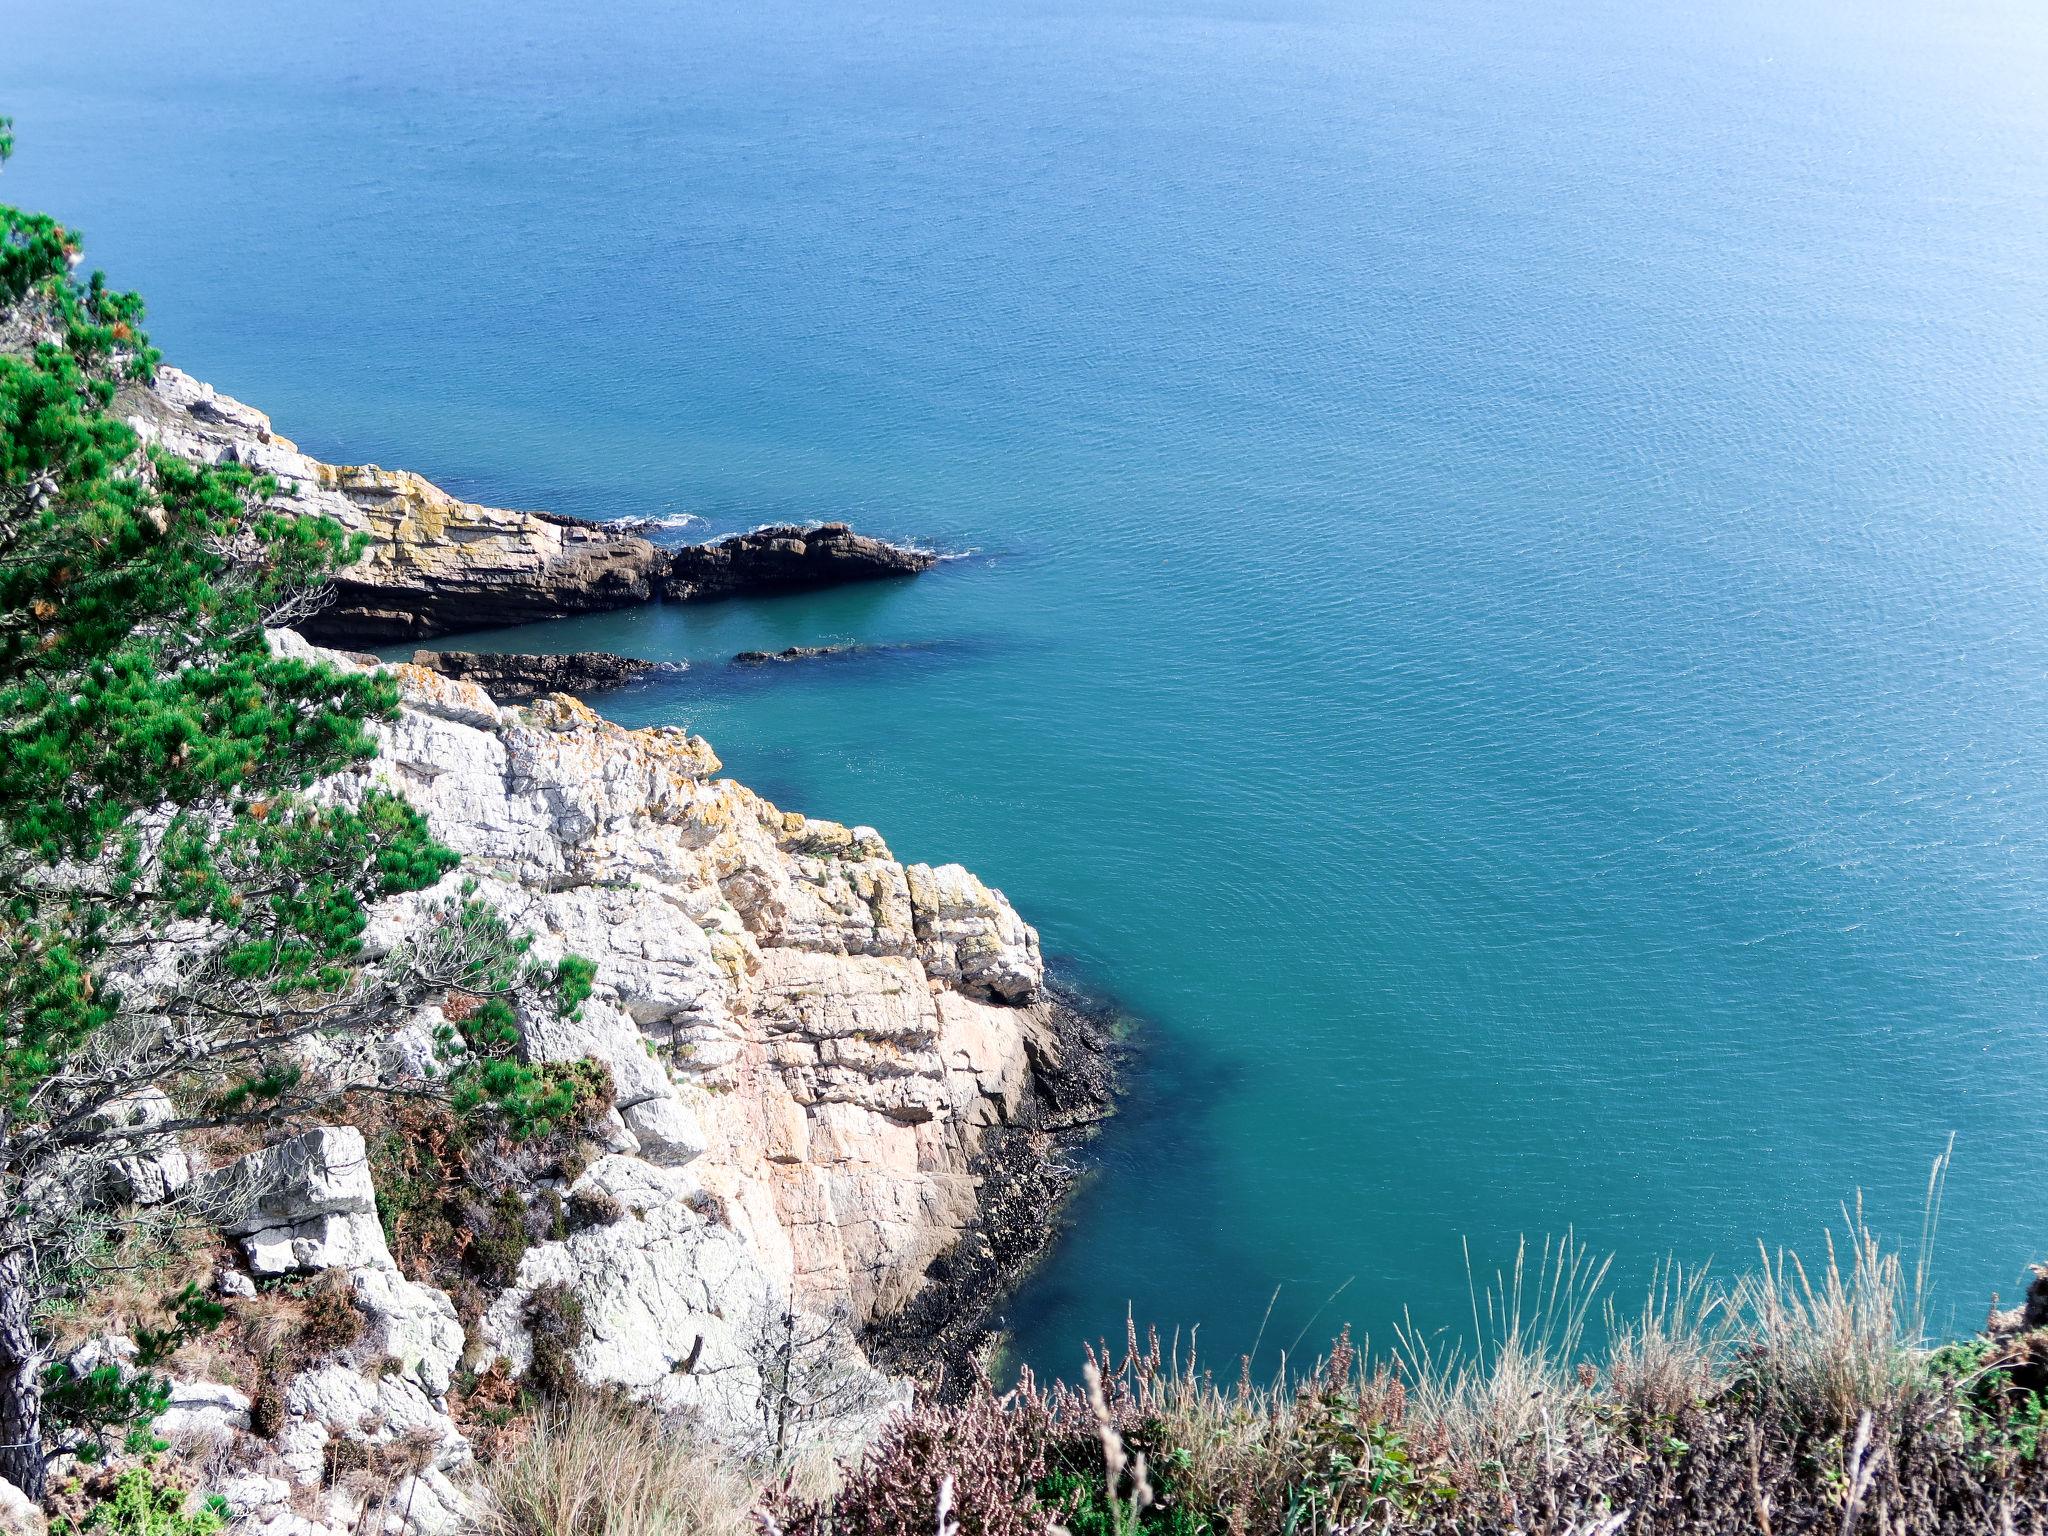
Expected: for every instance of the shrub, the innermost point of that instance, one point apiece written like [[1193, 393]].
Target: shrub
[[994, 1450], [555, 1323], [143, 1501], [332, 1320], [593, 1208]]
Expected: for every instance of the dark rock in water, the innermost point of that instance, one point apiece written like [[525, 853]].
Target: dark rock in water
[[513, 678], [787, 558], [794, 653]]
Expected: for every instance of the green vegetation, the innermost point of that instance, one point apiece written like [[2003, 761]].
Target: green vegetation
[[143, 1501], [111, 1397], [161, 758]]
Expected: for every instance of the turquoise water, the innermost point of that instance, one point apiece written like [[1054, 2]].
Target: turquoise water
[[1507, 615]]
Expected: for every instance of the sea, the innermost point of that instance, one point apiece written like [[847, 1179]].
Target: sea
[[1499, 610]]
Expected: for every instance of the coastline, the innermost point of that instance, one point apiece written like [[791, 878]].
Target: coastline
[[1028, 1170], [439, 565]]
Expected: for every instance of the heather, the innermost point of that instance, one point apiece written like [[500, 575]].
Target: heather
[[1793, 1397]]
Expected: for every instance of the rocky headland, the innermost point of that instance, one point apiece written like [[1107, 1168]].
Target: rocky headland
[[438, 565], [839, 1087]]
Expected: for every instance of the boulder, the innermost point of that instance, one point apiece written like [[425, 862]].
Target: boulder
[[20, 1515], [304, 1204], [970, 937], [414, 1325], [152, 1168], [200, 1409]]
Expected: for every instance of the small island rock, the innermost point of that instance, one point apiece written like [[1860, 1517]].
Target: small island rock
[[787, 558]]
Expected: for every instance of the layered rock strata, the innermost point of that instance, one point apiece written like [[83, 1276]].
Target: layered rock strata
[[435, 563]]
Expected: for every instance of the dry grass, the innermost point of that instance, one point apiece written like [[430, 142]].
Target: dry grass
[[1528, 1332], [119, 1282], [592, 1467], [1663, 1360], [1792, 1400], [1795, 1399]]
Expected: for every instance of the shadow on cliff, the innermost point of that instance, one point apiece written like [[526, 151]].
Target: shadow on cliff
[[1167, 1086]]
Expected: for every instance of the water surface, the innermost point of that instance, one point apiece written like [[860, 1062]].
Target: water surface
[[1507, 621]]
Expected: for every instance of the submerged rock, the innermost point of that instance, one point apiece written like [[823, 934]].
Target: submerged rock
[[514, 677], [787, 558], [793, 653]]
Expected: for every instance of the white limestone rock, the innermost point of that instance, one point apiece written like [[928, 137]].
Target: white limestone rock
[[201, 1409], [253, 1494], [20, 1515], [304, 1204], [412, 1324], [333, 1399], [679, 1313], [970, 937], [153, 1168]]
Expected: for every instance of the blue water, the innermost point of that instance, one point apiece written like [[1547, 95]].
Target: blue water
[[1508, 623]]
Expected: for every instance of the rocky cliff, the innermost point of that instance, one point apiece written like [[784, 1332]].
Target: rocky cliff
[[832, 1083], [815, 1055]]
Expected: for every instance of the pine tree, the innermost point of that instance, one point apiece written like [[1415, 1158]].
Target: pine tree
[[180, 906]]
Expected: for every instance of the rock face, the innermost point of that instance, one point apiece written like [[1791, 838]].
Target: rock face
[[514, 678], [811, 1044], [787, 558], [435, 563]]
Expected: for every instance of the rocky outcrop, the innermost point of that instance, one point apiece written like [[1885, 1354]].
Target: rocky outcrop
[[837, 1087], [787, 558], [816, 1052], [514, 678], [435, 563], [304, 1204]]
